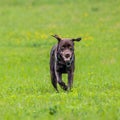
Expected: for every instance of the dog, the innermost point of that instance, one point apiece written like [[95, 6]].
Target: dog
[[62, 60]]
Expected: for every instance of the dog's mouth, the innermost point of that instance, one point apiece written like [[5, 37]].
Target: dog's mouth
[[67, 57], [68, 61]]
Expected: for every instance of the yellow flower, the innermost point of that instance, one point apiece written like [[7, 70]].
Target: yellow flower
[[85, 14], [37, 35], [28, 35], [43, 36]]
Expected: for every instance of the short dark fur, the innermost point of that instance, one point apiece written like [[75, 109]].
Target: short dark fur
[[62, 60]]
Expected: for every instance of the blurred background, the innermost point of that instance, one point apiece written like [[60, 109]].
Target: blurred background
[[26, 27]]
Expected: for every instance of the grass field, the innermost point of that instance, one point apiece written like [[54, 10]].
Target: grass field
[[26, 27]]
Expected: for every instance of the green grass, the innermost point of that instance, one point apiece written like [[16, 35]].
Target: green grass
[[26, 27]]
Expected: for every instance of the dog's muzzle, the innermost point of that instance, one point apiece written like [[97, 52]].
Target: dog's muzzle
[[69, 61]]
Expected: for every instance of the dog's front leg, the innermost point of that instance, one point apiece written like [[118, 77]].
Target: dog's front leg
[[59, 79], [70, 79]]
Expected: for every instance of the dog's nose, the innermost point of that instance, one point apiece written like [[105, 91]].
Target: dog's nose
[[67, 55]]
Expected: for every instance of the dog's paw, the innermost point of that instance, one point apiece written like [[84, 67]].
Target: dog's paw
[[65, 88]]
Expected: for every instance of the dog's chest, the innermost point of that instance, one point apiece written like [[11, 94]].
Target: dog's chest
[[62, 68]]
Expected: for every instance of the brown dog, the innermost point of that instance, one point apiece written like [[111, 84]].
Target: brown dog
[[62, 60]]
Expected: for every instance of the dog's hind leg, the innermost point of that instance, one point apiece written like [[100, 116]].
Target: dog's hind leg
[[70, 80]]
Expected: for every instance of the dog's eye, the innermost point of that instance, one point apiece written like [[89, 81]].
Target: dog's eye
[[70, 48], [62, 48]]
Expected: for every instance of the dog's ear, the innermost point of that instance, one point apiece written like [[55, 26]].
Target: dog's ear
[[77, 39], [57, 37]]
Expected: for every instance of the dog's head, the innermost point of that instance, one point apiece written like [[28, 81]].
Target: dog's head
[[66, 47]]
